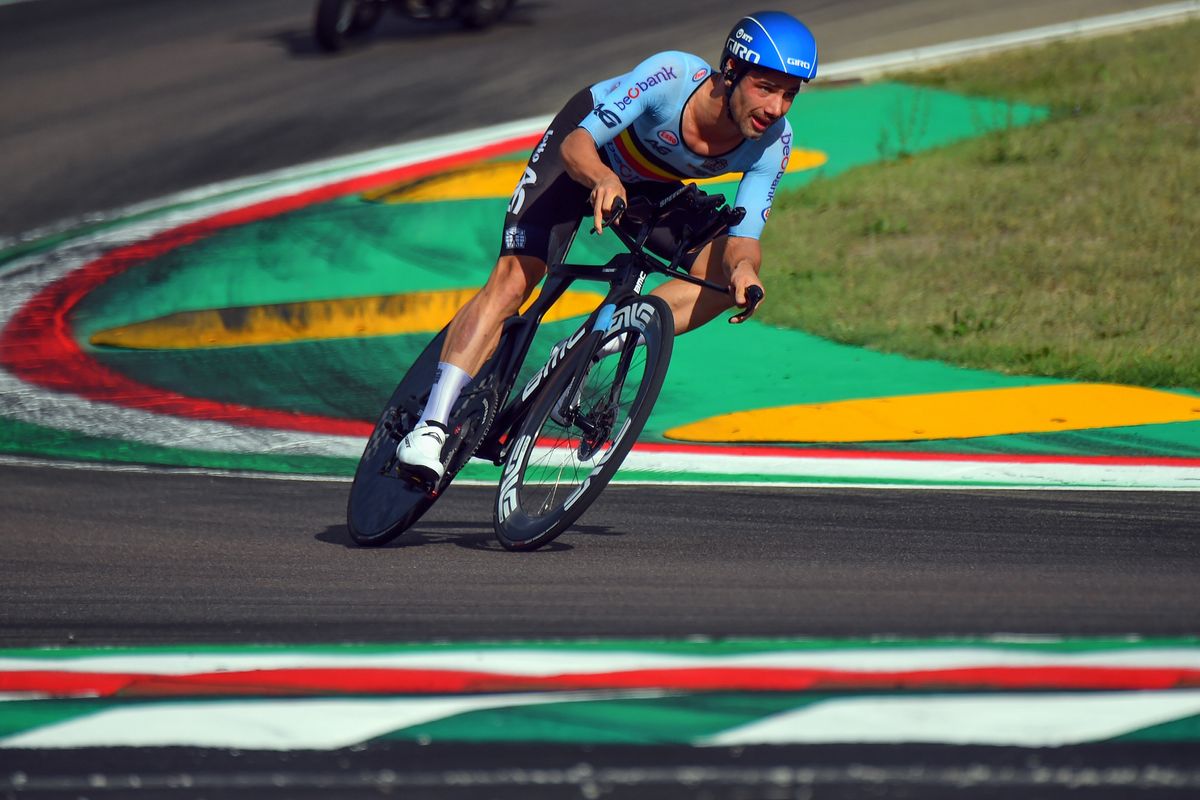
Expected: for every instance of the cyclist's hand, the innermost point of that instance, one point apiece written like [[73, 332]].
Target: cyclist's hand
[[747, 291], [603, 194]]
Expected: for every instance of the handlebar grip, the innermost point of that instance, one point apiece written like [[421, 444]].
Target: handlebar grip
[[618, 208], [754, 296]]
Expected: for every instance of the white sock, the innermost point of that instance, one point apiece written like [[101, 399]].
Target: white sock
[[616, 345], [611, 347], [448, 384]]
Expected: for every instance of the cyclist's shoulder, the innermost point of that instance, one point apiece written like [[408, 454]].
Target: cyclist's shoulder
[[671, 67]]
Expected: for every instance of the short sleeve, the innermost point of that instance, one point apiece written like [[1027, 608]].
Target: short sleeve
[[757, 189], [621, 100]]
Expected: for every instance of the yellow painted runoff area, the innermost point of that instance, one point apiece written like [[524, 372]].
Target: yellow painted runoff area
[[949, 415], [499, 178], [415, 312]]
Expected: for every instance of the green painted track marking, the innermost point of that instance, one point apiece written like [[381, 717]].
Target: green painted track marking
[[25, 715], [22, 438], [1180, 730], [670, 720], [350, 247]]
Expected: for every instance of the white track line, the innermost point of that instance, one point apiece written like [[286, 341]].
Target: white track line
[[534, 661]]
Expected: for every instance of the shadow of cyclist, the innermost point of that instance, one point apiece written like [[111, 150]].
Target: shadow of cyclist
[[467, 535]]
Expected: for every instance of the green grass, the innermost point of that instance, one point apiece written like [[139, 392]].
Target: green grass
[[1067, 249]]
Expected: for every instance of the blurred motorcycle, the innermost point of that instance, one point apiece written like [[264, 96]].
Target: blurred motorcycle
[[340, 22]]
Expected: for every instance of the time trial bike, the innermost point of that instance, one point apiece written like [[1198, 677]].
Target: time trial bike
[[561, 438]]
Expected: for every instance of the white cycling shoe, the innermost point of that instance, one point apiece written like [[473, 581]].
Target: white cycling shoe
[[420, 452]]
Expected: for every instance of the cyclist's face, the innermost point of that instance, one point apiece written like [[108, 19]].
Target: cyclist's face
[[761, 98]]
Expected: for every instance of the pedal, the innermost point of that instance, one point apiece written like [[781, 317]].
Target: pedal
[[417, 482]]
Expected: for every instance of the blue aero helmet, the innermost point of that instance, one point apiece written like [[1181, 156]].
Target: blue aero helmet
[[770, 40]]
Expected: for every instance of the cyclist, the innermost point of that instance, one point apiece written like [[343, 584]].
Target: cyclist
[[637, 135]]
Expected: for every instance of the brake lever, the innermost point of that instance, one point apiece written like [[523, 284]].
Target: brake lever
[[754, 296], [618, 208]]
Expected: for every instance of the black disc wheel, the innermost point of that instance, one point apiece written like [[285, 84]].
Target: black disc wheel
[[340, 22], [568, 449], [383, 504]]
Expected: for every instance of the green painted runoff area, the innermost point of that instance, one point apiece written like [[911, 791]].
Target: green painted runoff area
[[351, 247]]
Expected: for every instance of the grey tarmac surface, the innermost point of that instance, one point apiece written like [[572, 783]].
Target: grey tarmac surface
[[95, 557], [490, 772]]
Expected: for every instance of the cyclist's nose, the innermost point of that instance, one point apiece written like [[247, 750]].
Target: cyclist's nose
[[775, 107]]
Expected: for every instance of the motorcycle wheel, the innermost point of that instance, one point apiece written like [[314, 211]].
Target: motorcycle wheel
[[478, 14], [339, 22]]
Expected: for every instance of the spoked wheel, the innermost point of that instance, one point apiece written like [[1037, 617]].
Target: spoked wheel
[[564, 453], [337, 22]]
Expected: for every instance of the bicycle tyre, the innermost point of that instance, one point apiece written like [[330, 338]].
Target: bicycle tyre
[[553, 473]]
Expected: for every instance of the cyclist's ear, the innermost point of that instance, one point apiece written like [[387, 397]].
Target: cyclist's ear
[[729, 73]]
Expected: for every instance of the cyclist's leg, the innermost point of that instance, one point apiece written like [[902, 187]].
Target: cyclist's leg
[[475, 330], [693, 305], [542, 218]]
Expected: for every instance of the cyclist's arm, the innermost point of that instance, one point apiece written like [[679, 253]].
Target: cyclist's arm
[[648, 88], [742, 261], [583, 164]]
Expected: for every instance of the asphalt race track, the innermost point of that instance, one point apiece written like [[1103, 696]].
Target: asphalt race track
[[140, 559], [114, 102]]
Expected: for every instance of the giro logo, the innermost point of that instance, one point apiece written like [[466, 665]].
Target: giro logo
[[795, 62], [740, 51], [663, 75]]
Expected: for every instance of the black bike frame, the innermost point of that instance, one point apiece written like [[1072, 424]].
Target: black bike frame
[[625, 273]]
